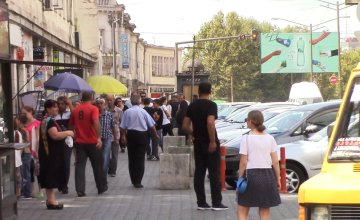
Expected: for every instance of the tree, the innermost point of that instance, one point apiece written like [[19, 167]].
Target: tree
[[239, 58]]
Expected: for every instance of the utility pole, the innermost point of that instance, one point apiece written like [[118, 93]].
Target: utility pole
[[112, 21], [232, 90], [338, 30], [311, 55], [193, 71]]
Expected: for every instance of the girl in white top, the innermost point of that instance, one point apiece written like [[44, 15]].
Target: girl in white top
[[257, 150], [167, 127]]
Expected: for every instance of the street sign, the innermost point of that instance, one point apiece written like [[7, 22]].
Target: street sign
[[333, 80]]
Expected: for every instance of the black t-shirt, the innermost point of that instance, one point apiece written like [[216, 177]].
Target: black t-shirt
[[159, 122], [150, 110], [174, 108], [198, 112]]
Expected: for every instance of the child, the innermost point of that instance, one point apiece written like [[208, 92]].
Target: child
[[21, 136]]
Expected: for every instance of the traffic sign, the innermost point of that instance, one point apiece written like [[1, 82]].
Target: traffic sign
[[333, 80]]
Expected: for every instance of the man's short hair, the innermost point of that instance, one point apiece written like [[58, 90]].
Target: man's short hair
[[100, 99], [133, 93], [135, 100], [60, 98], [104, 96], [86, 96], [181, 94], [175, 97], [157, 101], [142, 92], [195, 96], [204, 88], [147, 101]]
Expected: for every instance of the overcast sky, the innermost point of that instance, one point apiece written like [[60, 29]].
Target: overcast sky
[[165, 22]]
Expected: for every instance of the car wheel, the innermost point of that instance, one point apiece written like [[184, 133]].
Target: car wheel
[[294, 178], [231, 183]]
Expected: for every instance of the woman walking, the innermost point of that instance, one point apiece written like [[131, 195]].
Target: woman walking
[[263, 187], [180, 118], [32, 125], [51, 154], [166, 126]]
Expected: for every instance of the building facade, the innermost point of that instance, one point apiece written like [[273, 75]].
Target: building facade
[[43, 31]]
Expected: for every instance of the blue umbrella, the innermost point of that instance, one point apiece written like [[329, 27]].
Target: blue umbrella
[[68, 82]]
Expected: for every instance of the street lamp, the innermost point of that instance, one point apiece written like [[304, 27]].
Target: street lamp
[[311, 30]]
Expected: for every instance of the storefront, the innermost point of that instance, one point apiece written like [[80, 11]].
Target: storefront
[[158, 92]]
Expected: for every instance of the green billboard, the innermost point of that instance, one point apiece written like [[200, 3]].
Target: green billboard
[[290, 53]]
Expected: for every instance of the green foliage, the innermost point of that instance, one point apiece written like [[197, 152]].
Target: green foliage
[[241, 58]]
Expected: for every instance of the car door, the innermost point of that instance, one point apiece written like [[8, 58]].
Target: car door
[[320, 120]]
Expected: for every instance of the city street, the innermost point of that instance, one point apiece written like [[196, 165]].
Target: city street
[[122, 201]]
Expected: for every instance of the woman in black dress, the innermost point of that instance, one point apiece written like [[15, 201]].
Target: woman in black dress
[[51, 154], [180, 119]]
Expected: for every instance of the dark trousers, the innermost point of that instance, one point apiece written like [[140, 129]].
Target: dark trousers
[[114, 158], [122, 145], [167, 129], [67, 159], [203, 161], [136, 143], [151, 149], [84, 151]]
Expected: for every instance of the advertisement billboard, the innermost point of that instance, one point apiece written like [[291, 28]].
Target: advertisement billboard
[[125, 51], [290, 52]]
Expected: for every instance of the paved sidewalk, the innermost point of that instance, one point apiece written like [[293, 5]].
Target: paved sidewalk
[[122, 201]]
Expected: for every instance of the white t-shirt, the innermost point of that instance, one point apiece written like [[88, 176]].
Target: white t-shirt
[[165, 119], [169, 109], [18, 161], [258, 149]]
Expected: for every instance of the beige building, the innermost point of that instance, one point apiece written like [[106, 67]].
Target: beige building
[[133, 56], [47, 26]]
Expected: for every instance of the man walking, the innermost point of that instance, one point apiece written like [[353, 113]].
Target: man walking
[[150, 151], [85, 120], [63, 119], [202, 115], [128, 102], [117, 115], [134, 126], [107, 132], [174, 108]]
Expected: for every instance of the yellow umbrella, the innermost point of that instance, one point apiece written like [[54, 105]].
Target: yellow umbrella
[[105, 84]]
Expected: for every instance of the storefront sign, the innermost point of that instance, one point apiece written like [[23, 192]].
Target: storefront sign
[[4, 31], [168, 89], [125, 51], [159, 89]]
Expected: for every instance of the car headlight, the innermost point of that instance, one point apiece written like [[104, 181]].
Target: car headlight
[[320, 213]]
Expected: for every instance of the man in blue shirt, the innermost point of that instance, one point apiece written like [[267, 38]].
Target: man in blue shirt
[[134, 126]]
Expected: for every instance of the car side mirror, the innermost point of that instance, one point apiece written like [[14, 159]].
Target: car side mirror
[[310, 129], [245, 119], [329, 130]]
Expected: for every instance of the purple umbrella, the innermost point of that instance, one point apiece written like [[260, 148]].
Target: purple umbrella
[[68, 82]]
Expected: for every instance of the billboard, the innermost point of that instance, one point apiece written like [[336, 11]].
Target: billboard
[[290, 52], [125, 51]]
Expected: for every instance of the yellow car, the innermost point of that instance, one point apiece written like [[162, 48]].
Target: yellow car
[[335, 192]]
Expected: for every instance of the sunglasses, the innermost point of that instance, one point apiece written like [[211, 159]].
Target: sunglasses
[[143, 96]]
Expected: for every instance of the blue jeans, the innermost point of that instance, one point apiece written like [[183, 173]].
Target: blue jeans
[[154, 143], [160, 133], [106, 150], [26, 161]]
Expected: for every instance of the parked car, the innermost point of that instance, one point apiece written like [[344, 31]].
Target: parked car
[[294, 125], [230, 110], [228, 134], [223, 106], [238, 120]]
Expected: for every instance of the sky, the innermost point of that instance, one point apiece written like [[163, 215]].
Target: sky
[[164, 22]]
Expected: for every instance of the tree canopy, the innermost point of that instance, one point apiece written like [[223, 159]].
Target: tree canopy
[[241, 59]]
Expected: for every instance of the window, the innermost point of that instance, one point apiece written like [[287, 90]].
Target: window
[[163, 66], [69, 10], [48, 5], [321, 121]]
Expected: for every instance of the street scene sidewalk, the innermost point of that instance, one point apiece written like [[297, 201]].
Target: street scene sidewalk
[[122, 201]]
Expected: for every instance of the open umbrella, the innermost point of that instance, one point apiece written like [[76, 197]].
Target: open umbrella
[[68, 82], [105, 84]]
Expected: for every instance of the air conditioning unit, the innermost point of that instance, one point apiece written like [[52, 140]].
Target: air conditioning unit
[[48, 5]]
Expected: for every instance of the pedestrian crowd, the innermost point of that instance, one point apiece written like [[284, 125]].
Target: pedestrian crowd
[[99, 129]]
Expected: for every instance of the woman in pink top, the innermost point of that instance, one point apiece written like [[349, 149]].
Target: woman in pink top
[[257, 150], [32, 123]]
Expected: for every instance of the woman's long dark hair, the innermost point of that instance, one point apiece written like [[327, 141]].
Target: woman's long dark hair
[[183, 107], [48, 104]]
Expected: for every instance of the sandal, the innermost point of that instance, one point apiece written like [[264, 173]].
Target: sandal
[[153, 158], [40, 196]]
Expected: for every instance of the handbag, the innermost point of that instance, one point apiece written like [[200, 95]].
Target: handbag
[[242, 184]]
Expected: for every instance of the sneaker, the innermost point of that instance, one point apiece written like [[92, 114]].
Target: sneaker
[[204, 207], [26, 197], [40, 196], [122, 150], [81, 194], [112, 175], [220, 207]]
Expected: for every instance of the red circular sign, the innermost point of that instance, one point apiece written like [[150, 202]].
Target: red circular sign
[[333, 80]]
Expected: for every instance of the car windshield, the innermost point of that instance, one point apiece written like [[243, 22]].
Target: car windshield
[[222, 107], [226, 111], [346, 144], [284, 121], [234, 114], [318, 136]]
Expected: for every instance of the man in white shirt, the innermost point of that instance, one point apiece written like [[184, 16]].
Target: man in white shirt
[[128, 102]]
